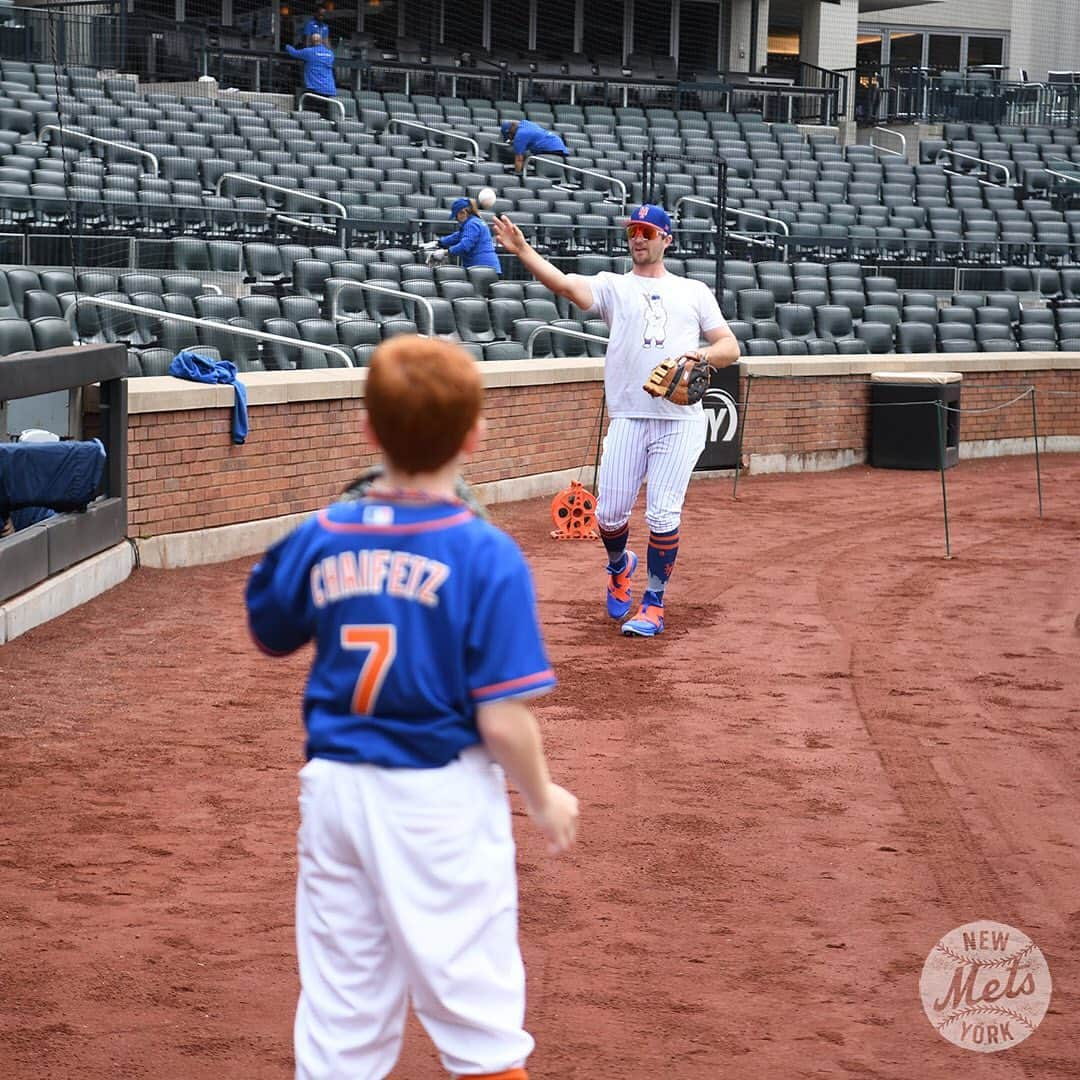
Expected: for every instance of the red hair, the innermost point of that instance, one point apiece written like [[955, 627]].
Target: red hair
[[423, 396]]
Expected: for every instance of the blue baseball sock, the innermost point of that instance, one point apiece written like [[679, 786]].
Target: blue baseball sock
[[663, 550], [615, 543]]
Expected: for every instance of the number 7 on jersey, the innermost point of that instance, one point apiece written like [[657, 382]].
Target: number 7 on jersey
[[380, 643]]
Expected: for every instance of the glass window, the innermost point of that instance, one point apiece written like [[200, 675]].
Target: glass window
[[985, 50], [944, 52], [905, 48], [868, 50], [652, 27], [602, 32], [422, 24], [509, 27], [381, 21], [699, 36], [207, 12], [463, 27], [554, 28]]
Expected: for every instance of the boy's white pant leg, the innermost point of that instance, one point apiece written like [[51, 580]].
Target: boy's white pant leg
[[437, 889], [351, 1014]]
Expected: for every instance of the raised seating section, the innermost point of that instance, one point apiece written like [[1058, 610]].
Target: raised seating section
[[842, 209]]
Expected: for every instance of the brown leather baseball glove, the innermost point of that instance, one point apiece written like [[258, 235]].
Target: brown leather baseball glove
[[681, 379]]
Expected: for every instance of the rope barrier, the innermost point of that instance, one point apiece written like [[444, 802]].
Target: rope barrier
[[870, 382], [1028, 392], [861, 405], [992, 408]]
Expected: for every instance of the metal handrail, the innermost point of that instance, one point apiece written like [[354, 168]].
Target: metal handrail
[[982, 161], [322, 97], [885, 149], [240, 331], [584, 172], [103, 142], [438, 131], [697, 200], [255, 181], [1072, 177], [346, 282], [306, 224], [560, 330]]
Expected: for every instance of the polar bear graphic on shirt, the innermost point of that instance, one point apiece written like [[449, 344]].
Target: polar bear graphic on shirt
[[655, 321]]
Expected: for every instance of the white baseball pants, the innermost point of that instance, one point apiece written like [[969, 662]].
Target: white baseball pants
[[407, 890], [664, 450]]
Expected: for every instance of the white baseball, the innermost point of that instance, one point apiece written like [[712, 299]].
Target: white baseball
[[485, 198]]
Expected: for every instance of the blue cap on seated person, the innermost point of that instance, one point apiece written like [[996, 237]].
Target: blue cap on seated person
[[457, 206], [656, 216], [504, 127]]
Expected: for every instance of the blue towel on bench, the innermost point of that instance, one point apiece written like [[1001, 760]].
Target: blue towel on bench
[[198, 368]]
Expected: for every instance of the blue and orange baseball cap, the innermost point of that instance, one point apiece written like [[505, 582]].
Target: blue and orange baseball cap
[[457, 206], [656, 216], [504, 127]]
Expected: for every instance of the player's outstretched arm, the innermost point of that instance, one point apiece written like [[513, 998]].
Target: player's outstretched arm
[[575, 288], [512, 737]]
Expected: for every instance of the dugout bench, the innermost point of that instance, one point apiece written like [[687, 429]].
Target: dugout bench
[[33, 554]]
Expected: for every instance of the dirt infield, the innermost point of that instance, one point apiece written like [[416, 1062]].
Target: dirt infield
[[843, 747]]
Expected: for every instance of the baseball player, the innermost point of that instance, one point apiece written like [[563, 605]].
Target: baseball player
[[426, 644], [648, 311]]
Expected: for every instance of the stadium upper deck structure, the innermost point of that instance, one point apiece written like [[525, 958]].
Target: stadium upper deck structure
[[163, 196]]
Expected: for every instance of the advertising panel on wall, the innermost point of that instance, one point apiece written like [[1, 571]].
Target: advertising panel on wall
[[721, 404]]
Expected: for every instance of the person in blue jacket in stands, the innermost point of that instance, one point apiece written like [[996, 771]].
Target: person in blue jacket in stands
[[318, 66], [317, 24], [529, 138], [472, 242]]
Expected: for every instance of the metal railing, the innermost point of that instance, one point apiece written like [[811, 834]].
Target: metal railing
[[218, 327], [982, 161], [322, 97], [565, 330], [583, 172], [438, 131], [62, 131], [1071, 178], [295, 192], [885, 92], [902, 152], [697, 200], [370, 286]]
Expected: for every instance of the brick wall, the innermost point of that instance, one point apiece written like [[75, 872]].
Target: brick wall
[[184, 473], [812, 415]]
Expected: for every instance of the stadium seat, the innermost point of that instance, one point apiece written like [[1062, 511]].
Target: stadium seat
[[877, 336], [917, 337]]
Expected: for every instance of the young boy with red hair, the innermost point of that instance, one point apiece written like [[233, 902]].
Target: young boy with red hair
[[426, 643]]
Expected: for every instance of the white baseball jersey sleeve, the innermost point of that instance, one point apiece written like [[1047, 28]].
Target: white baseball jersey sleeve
[[648, 319]]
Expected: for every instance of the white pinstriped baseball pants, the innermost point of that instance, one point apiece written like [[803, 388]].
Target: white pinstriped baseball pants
[[407, 890], [664, 450]]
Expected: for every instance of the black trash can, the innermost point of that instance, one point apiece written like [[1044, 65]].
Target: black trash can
[[904, 419]]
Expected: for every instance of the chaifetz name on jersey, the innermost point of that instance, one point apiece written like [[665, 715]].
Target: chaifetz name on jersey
[[369, 572]]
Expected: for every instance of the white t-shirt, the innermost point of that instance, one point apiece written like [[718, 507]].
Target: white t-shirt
[[650, 318]]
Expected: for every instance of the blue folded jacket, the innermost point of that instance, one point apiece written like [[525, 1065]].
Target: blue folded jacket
[[38, 478], [199, 368]]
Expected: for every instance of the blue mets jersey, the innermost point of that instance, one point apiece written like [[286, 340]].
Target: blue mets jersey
[[419, 611]]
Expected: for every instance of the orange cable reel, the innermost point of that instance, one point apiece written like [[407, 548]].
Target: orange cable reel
[[573, 513]]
